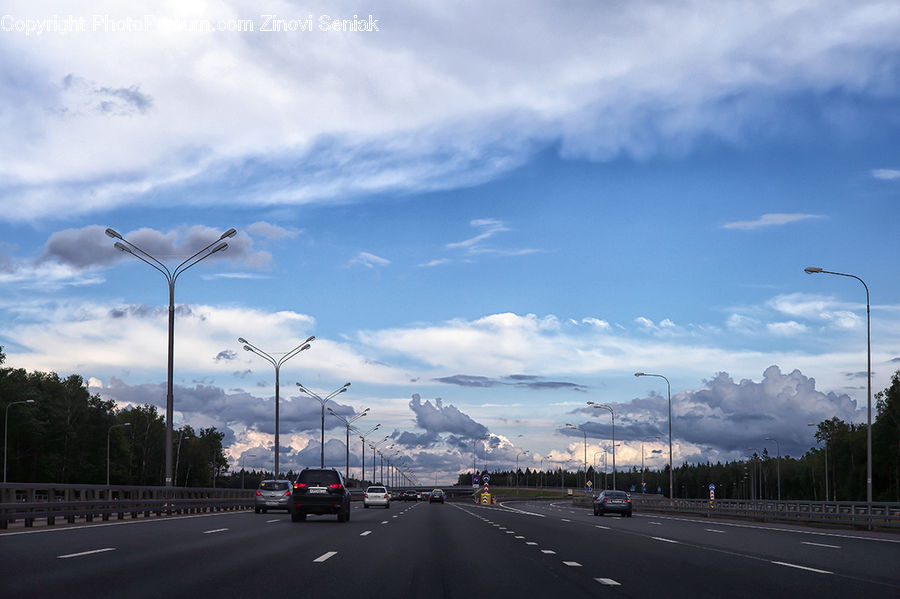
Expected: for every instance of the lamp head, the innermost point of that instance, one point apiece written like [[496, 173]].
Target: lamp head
[[242, 340], [247, 348], [113, 233], [29, 401], [639, 374], [228, 233], [310, 338], [219, 248], [811, 270], [122, 247], [127, 424]]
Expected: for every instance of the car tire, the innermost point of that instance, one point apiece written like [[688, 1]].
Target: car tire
[[628, 514], [596, 512], [256, 509], [298, 516], [265, 511]]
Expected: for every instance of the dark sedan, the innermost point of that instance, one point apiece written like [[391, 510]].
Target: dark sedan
[[612, 502]]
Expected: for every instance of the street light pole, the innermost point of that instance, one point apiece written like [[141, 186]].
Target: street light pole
[[612, 413], [671, 465], [815, 270], [362, 437], [373, 446], [6, 431], [777, 464], [347, 422], [126, 246], [323, 401], [277, 364], [107, 447]]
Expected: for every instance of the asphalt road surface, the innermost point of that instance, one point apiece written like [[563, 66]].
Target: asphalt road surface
[[526, 549]]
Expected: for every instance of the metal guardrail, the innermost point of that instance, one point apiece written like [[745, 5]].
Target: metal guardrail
[[29, 502], [840, 513]]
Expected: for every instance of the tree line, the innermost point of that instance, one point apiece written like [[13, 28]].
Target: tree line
[[801, 478]]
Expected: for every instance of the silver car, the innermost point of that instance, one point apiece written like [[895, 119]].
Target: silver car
[[377, 496], [273, 495]]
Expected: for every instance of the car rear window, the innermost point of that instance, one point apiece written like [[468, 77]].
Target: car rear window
[[271, 485], [376, 490], [617, 494], [318, 478]]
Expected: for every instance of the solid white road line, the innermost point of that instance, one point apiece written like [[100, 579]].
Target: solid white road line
[[808, 569], [365, 534], [662, 539], [325, 556], [209, 532], [601, 527], [608, 582], [820, 545], [714, 530], [86, 553]]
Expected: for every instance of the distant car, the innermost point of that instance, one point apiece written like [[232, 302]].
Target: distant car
[[320, 491], [273, 495], [376, 496], [436, 496], [612, 502], [409, 496]]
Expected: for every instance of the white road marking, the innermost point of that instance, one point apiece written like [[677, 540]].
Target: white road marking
[[803, 568], [662, 539], [602, 527], [821, 545], [384, 521], [608, 582], [86, 553], [656, 523], [270, 521], [209, 532], [365, 534], [519, 537], [502, 528], [572, 564], [530, 543], [548, 551], [564, 520], [325, 556], [393, 516], [714, 530]]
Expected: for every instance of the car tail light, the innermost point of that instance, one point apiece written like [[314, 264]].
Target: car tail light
[[336, 486], [365, 495], [605, 499], [299, 485], [258, 493], [287, 493]]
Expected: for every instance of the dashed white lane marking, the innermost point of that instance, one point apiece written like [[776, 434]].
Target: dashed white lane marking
[[603, 528], [519, 537], [325, 556], [821, 545], [608, 582], [384, 521], [714, 530], [365, 534], [270, 521], [510, 532], [393, 516], [807, 568], [502, 528], [655, 523], [664, 540], [530, 543], [209, 532], [548, 551], [565, 520], [572, 564], [67, 556]]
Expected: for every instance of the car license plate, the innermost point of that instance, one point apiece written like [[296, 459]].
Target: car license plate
[[317, 490]]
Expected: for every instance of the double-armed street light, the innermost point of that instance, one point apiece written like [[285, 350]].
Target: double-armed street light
[[277, 364], [362, 438], [323, 401], [107, 447], [811, 270], [171, 275], [6, 431], [348, 422], [669, 394]]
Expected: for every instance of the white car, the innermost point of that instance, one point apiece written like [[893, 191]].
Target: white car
[[376, 496]]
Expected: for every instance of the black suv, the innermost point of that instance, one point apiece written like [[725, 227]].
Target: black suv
[[320, 491]]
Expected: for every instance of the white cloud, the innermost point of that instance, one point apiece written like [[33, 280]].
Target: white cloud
[[415, 106], [785, 329], [886, 174], [369, 260], [769, 220]]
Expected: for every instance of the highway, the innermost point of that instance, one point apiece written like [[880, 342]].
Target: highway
[[515, 549]]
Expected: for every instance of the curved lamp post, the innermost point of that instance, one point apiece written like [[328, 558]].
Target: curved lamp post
[[277, 364], [6, 431], [107, 447], [323, 401], [126, 246], [671, 465], [347, 422], [811, 270], [584, 432], [612, 413]]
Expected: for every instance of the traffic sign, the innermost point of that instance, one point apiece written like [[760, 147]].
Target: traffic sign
[[486, 477], [712, 486], [589, 484]]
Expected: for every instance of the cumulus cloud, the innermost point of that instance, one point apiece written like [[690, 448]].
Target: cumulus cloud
[[886, 174], [513, 380], [437, 418]]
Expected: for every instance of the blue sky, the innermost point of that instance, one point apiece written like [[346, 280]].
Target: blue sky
[[485, 223]]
